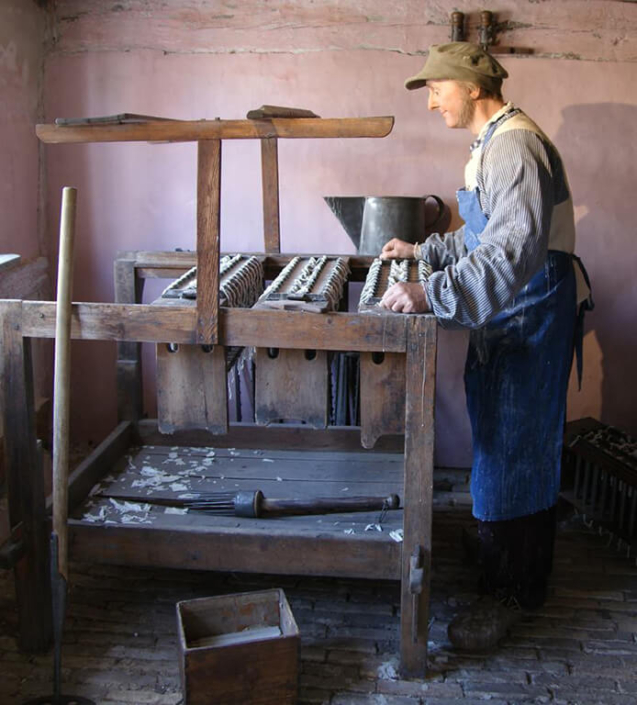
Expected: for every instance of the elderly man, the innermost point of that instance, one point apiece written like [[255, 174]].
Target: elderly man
[[508, 275]]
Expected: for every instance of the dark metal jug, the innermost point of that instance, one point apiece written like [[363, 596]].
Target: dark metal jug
[[371, 221]]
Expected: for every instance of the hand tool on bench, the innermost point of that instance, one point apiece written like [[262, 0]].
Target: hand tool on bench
[[253, 504], [61, 409]]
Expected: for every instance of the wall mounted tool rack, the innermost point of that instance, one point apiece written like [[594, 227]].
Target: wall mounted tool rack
[[282, 460]]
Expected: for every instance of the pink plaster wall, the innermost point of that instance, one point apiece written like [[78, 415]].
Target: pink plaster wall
[[22, 26], [139, 196]]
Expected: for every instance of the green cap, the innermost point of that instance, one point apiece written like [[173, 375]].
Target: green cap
[[459, 61]]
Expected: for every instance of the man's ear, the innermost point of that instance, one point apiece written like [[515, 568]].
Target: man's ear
[[475, 91]]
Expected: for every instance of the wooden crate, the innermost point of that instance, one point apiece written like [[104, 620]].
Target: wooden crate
[[237, 649]]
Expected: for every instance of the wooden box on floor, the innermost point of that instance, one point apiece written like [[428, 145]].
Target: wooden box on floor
[[238, 649]]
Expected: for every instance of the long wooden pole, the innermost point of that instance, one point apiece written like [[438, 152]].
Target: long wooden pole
[[62, 377]]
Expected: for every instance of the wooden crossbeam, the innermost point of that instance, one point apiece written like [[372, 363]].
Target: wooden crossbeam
[[237, 326], [196, 130]]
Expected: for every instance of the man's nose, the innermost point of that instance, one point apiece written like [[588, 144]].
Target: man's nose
[[431, 102]]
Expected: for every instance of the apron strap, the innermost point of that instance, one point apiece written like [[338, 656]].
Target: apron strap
[[587, 305]]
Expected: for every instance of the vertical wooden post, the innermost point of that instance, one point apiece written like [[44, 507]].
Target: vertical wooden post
[[208, 240], [270, 187], [420, 370], [25, 483], [128, 290]]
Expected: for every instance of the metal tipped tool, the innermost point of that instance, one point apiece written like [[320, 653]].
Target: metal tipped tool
[[254, 505]]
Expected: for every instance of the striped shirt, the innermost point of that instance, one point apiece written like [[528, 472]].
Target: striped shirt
[[524, 193]]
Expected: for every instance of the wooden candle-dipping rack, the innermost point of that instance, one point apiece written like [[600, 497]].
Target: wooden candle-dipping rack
[[329, 457]]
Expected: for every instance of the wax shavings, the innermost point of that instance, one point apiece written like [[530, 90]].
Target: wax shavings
[[388, 670], [129, 506], [135, 519], [373, 527], [397, 535], [100, 516]]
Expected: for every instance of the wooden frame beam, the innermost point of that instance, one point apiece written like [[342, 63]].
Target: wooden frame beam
[[270, 189], [196, 130], [208, 239], [176, 324]]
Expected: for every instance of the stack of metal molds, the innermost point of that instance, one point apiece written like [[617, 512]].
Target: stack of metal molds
[[600, 476]]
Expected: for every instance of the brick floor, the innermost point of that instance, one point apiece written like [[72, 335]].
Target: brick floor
[[579, 649]]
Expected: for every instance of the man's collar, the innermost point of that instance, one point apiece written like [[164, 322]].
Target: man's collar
[[504, 110]]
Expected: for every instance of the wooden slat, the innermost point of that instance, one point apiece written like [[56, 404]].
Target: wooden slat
[[208, 233], [26, 280], [169, 265], [160, 258], [419, 453], [107, 511], [8, 262], [270, 189], [292, 386], [98, 463], [257, 463], [295, 437], [368, 555], [196, 130], [238, 327], [128, 290], [25, 482], [192, 392], [382, 389]]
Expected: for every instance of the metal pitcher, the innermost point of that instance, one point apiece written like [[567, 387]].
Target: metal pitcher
[[371, 221]]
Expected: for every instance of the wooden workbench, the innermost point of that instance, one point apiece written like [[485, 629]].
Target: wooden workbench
[[292, 459]]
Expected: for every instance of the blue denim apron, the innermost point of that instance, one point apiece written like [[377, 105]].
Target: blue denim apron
[[516, 379]]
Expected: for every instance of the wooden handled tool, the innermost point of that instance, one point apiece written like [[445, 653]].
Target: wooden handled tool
[[61, 415], [255, 505], [62, 377]]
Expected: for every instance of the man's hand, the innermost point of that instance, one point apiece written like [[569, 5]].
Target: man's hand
[[405, 297], [397, 249]]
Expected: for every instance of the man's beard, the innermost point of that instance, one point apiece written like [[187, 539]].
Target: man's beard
[[465, 116]]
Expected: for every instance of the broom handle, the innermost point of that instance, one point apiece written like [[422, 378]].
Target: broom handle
[[62, 376], [324, 505]]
